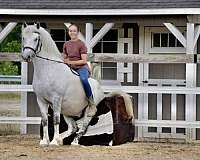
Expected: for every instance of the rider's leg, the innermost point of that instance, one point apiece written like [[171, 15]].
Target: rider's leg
[[84, 74]]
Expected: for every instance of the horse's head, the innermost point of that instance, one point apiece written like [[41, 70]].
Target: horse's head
[[31, 41]]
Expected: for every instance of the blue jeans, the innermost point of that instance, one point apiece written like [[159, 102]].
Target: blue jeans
[[84, 75]]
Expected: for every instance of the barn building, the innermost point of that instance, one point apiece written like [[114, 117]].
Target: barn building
[[147, 28]]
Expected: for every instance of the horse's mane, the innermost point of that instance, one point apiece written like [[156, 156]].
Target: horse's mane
[[49, 48]]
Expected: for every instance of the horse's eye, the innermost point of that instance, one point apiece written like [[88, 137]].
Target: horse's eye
[[35, 39]]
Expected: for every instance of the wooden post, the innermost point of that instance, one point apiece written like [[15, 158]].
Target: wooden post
[[24, 79], [24, 104], [190, 108], [141, 78]]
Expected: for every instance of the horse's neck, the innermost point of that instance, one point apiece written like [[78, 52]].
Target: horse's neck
[[51, 55], [42, 66]]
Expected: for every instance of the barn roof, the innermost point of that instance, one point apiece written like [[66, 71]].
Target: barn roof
[[97, 4], [99, 7]]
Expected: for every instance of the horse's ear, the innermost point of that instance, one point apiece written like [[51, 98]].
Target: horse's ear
[[38, 25], [25, 24]]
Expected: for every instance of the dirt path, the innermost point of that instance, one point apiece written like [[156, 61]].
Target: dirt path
[[27, 148]]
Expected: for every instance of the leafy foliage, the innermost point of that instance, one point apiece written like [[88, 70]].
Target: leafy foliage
[[12, 43]]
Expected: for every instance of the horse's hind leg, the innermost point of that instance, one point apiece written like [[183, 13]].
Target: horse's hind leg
[[56, 105], [82, 126], [44, 112], [72, 127]]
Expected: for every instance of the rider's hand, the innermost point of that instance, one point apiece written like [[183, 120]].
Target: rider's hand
[[66, 60], [64, 55]]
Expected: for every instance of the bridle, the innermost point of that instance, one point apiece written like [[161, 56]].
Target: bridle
[[38, 46], [38, 49]]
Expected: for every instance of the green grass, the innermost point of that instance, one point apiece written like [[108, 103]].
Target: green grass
[[10, 96]]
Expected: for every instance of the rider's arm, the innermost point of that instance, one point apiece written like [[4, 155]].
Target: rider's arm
[[78, 62]]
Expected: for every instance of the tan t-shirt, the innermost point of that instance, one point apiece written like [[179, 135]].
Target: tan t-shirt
[[73, 50]]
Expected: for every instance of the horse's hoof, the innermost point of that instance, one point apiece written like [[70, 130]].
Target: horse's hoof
[[44, 143], [56, 142], [75, 142], [111, 143]]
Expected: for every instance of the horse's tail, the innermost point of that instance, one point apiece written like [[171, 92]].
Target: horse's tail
[[127, 100]]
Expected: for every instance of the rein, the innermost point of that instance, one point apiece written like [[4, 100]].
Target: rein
[[74, 72]]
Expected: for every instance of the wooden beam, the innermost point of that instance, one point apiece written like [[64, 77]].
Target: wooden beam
[[20, 120], [193, 18], [190, 100], [7, 30], [175, 31], [138, 58], [168, 123], [100, 34], [15, 88], [88, 35], [190, 38], [15, 57], [24, 99], [196, 34], [128, 89], [128, 58], [153, 89], [100, 12]]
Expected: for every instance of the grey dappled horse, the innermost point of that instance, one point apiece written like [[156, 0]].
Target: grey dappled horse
[[55, 85]]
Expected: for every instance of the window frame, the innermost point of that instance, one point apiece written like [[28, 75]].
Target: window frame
[[102, 41], [166, 50], [59, 41]]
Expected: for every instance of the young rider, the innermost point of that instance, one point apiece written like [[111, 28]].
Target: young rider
[[75, 55]]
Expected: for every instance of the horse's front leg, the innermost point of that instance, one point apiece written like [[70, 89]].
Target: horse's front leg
[[43, 105], [57, 140]]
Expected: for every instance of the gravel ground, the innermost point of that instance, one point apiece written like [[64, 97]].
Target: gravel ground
[[27, 147]]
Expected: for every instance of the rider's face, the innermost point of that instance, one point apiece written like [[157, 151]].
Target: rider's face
[[73, 32]]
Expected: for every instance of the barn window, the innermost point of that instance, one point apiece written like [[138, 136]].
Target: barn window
[[161, 40], [165, 40], [108, 44], [59, 36]]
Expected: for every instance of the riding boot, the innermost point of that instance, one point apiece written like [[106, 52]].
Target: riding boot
[[92, 107]]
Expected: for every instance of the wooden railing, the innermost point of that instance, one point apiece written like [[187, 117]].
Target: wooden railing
[[128, 58]]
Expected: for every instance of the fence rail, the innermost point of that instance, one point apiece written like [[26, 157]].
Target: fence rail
[[10, 78], [128, 89], [128, 58]]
